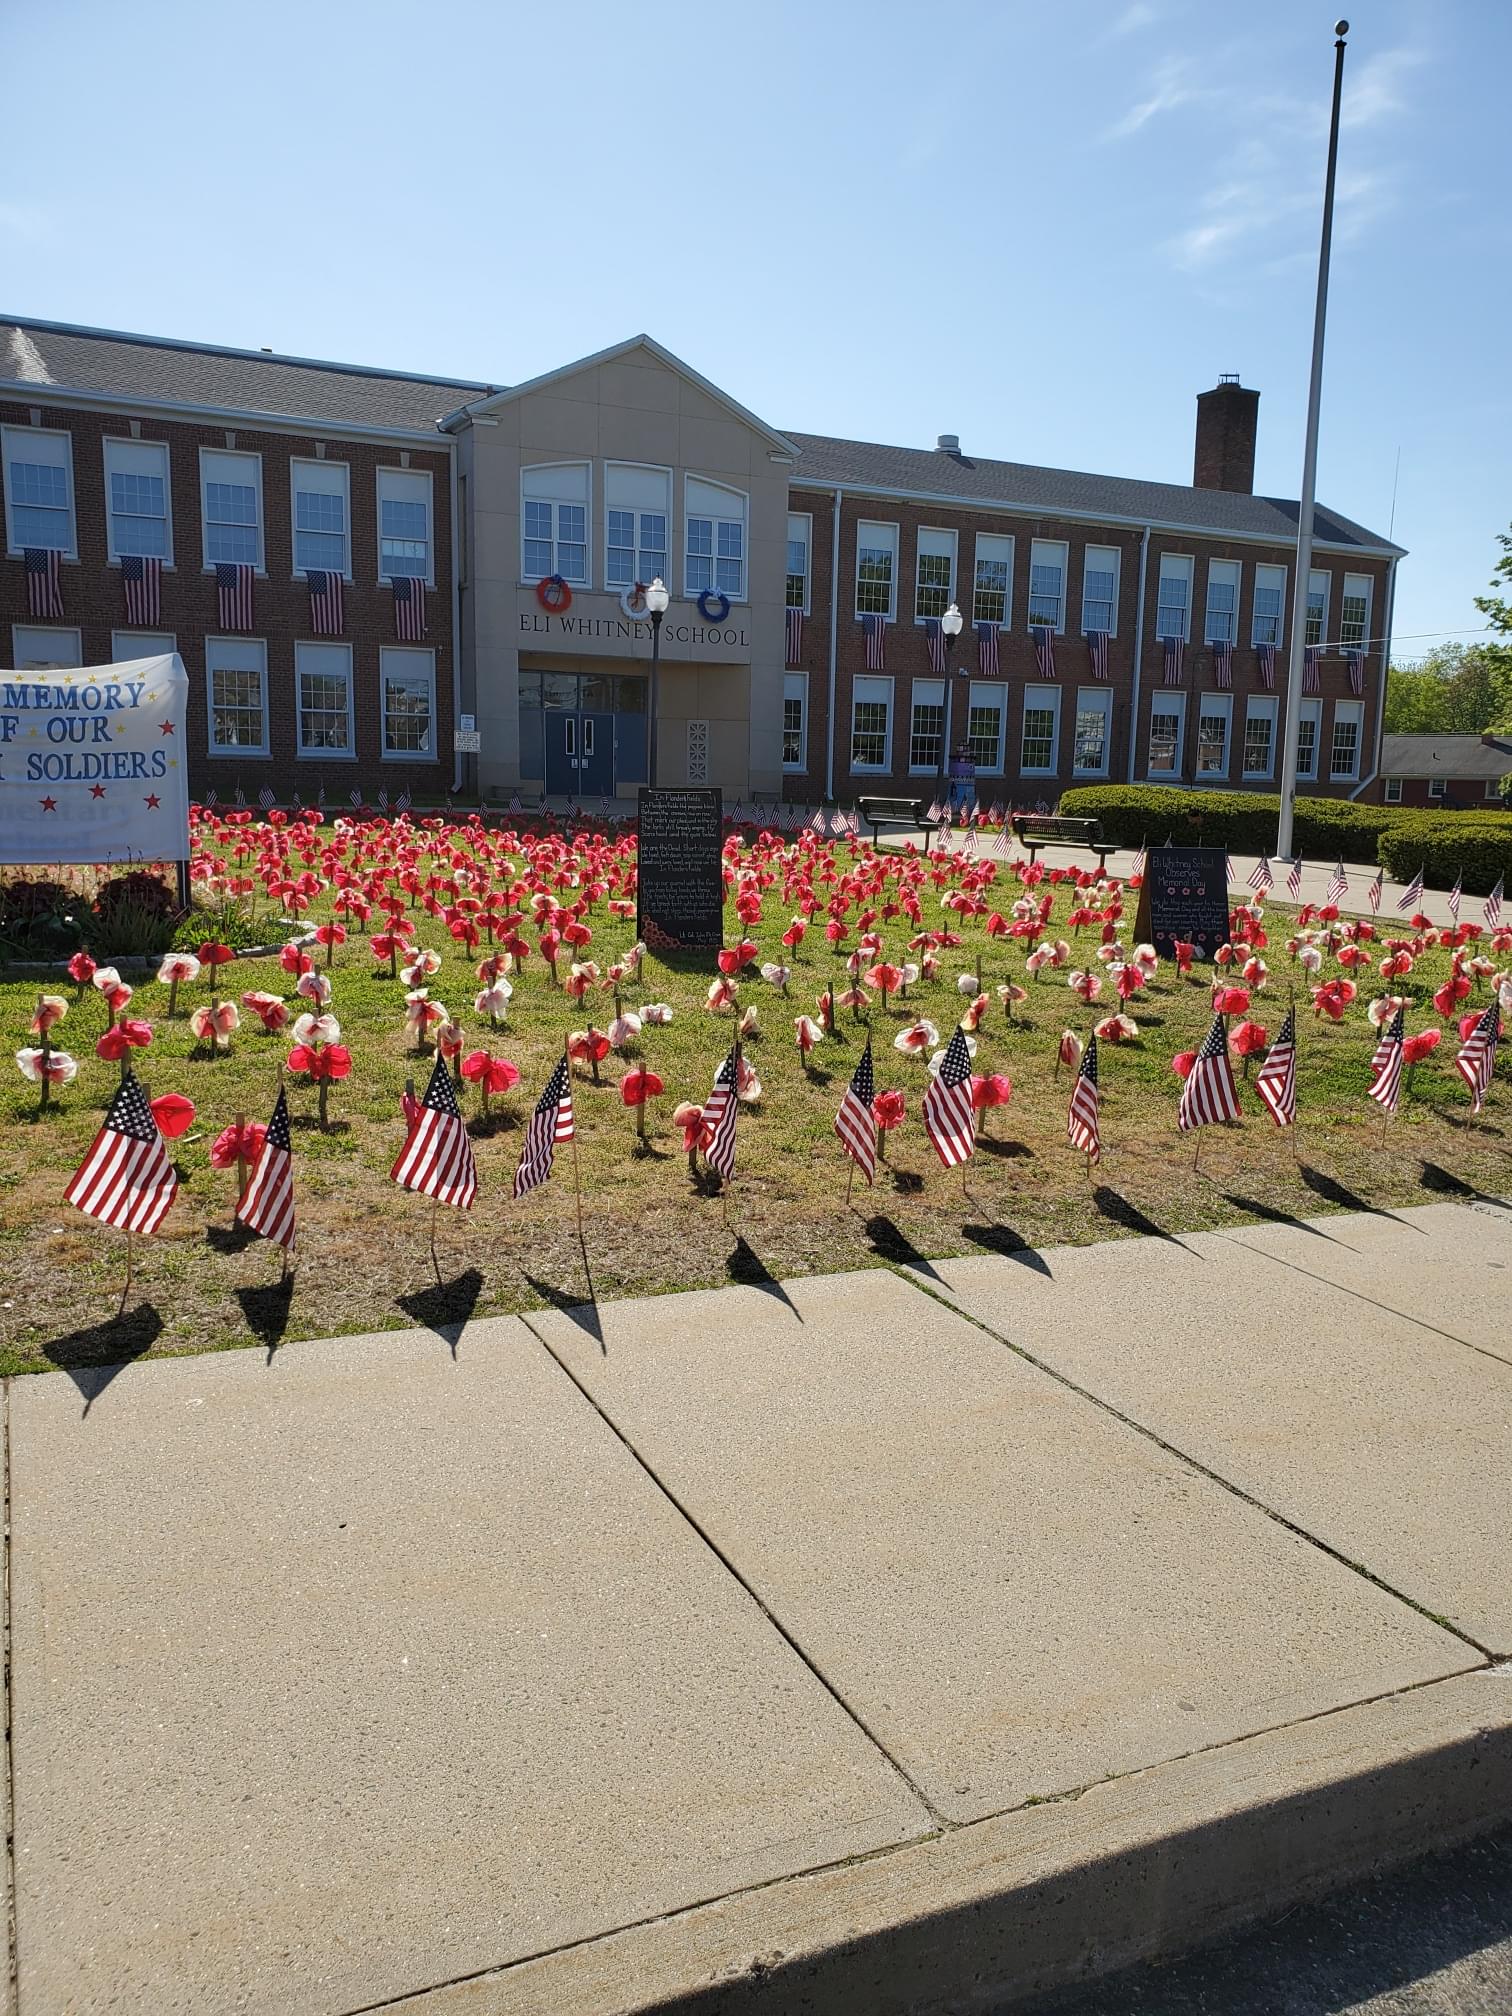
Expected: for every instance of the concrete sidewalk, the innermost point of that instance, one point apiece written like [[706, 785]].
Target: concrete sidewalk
[[906, 1640]]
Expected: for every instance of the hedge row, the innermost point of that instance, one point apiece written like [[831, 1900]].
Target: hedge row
[[1474, 845]]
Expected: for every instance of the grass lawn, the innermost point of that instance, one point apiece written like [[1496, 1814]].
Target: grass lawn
[[364, 1259]]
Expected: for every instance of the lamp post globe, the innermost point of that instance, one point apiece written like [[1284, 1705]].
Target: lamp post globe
[[657, 602]]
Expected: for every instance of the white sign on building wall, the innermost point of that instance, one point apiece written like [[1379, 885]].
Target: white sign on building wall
[[93, 765]]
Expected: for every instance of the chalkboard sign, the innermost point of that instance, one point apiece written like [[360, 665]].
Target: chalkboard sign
[[1185, 895], [680, 883]]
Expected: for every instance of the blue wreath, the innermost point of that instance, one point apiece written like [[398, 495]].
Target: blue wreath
[[713, 595]]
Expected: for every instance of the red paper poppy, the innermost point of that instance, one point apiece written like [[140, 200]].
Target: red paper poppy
[[213, 954], [639, 1085], [1248, 1038], [174, 1114], [1416, 1048]]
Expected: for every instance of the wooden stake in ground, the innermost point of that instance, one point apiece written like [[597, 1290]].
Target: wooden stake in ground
[[243, 1173], [577, 1174]]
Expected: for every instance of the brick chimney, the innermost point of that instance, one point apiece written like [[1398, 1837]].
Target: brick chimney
[[1226, 417]]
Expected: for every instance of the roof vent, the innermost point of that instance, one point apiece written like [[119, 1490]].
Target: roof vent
[[949, 444], [267, 349]]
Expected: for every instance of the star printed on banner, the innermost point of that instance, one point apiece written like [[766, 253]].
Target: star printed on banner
[[152, 801], [97, 790], [48, 804], [120, 727], [165, 727]]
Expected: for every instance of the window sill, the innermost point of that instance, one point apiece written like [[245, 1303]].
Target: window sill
[[65, 559], [1094, 774], [116, 558], [871, 770], [408, 756], [236, 755], [258, 573], [325, 755]]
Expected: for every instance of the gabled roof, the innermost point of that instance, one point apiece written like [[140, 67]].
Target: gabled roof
[[207, 377], [970, 479], [1471, 757], [649, 344]]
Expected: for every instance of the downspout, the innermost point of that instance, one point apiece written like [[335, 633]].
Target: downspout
[[1144, 557], [456, 645], [1380, 727], [834, 645]]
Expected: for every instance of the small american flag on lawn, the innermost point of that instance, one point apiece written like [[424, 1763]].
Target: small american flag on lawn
[[549, 1123], [126, 1179], [409, 608], [1294, 878], [1373, 893], [437, 1159], [1311, 683], [212, 799], [1453, 898], [1097, 653], [1355, 660], [795, 636], [855, 1123], [719, 1119], [988, 658], [1044, 649], [1386, 1086], [268, 1206], [356, 798], [325, 601], [44, 581], [1223, 662], [947, 1106], [142, 585], [1082, 1123], [1477, 1059], [1140, 862], [1491, 911], [1208, 1094], [934, 639], [383, 799], [1265, 659], [404, 801], [1412, 895], [875, 629], [265, 798], [1171, 658], [241, 796], [1276, 1080], [1261, 876], [1338, 884], [515, 805], [233, 586]]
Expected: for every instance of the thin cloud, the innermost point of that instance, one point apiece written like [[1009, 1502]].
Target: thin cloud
[[1375, 90], [1131, 21], [1169, 89]]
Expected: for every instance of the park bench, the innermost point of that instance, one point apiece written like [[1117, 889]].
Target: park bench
[[1034, 830], [907, 813]]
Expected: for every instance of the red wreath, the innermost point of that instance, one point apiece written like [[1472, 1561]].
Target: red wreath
[[553, 594]]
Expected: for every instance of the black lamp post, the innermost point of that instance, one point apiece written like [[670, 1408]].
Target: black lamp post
[[657, 600], [951, 624]]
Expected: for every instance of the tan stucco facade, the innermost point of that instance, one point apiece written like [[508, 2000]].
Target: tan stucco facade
[[720, 708]]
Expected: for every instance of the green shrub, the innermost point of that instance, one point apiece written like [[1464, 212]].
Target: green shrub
[[227, 927], [40, 918], [1243, 821], [134, 912], [1474, 845]]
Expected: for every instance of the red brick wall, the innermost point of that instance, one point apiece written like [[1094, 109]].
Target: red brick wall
[[93, 601], [1460, 794]]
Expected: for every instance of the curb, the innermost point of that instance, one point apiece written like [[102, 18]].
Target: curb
[[1127, 1871], [133, 962]]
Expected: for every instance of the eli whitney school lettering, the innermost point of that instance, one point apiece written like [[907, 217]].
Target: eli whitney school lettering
[[620, 626]]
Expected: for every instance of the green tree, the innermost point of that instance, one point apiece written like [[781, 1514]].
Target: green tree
[[1416, 703], [1456, 689], [1497, 609]]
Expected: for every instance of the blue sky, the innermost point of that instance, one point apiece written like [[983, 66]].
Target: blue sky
[[1042, 228]]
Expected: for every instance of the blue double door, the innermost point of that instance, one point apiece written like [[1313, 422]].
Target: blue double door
[[593, 730], [580, 754]]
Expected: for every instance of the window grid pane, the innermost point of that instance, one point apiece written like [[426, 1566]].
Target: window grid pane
[[231, 523], [990, 599], [792, 733], [1097, 600], [1317, 609], [138, 514], [1222, 598], [1212, 744], [39, 505], [1044, 596], [1307, 746], [322, 710], [1171, 616], [984, 728], [1353, 616], [1265, 620], [1257, 745], [1346, 737], [236, 712], [869, 734], [1091, 738], [932, 595], [926, 735], [797, 573], [1039, 738], [406, 714], [874, 575], [1165, 733]]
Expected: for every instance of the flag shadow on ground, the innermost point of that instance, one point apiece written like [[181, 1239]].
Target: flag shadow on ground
[[92, 1357], [584, 1314], [445, 1308], [1447, 1185], [265, 1311], [746, 1267], [1008, 1245], [889, 1241], [1116, 1207], [1274, 1216], [1334, 1192]]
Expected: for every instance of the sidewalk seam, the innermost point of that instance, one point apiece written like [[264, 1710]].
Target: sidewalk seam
[[940, 1822]]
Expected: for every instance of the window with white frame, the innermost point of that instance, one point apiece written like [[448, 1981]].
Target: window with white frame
[[800, 539], [934, 581], [1437, 788], [637, 515], [1047, 584], [128, 644], [404, 526], [236, 688], [1494, 788], [1221, 621], [871, 723], [39, 491], [1308, 719], [1039, 743], [986, 707], [992, 591], [554, 502], [1259, 735], [795, 720], [1094, 721], [1173, 606], [926, 725], [1267, 615], [1344, 749], [1317, 609], [36, 648], [1100, 589], [1354, 612], [323, 683], [876, 568], [1167, 720], [408, 680], [716, 528], [1213, 717], [321, 517], [1393, 793], [231, 507], [137, 503]]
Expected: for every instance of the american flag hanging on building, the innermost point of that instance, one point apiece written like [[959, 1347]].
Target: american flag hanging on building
[[142, 584], [855, 1123], [934, 640], [988, 654], [1491, 910], [1265, 659], [1223, 662], [1453, 898], [326, 618], [1171, 655], [1294, 878], [1386, 1086], [1311, 683], [44, 581], [126, 1179], [1355, 660], [437, 1159], [1412, 895], [948, 1117], [550, 1123], [268, 1206], [1208, 1094], [719, 1119], [233, 585], [875, 630], [1338, 884], [1044, 649], [1261, 876], [795, 636], [1276, 1080], [1082, 1127], [409, 608], [1097, 653], [1477, 1058]]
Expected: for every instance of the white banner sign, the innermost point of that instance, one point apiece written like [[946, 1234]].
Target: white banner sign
[[92, 763]]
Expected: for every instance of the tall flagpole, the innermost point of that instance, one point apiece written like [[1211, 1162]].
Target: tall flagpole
[[1309, 480]]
